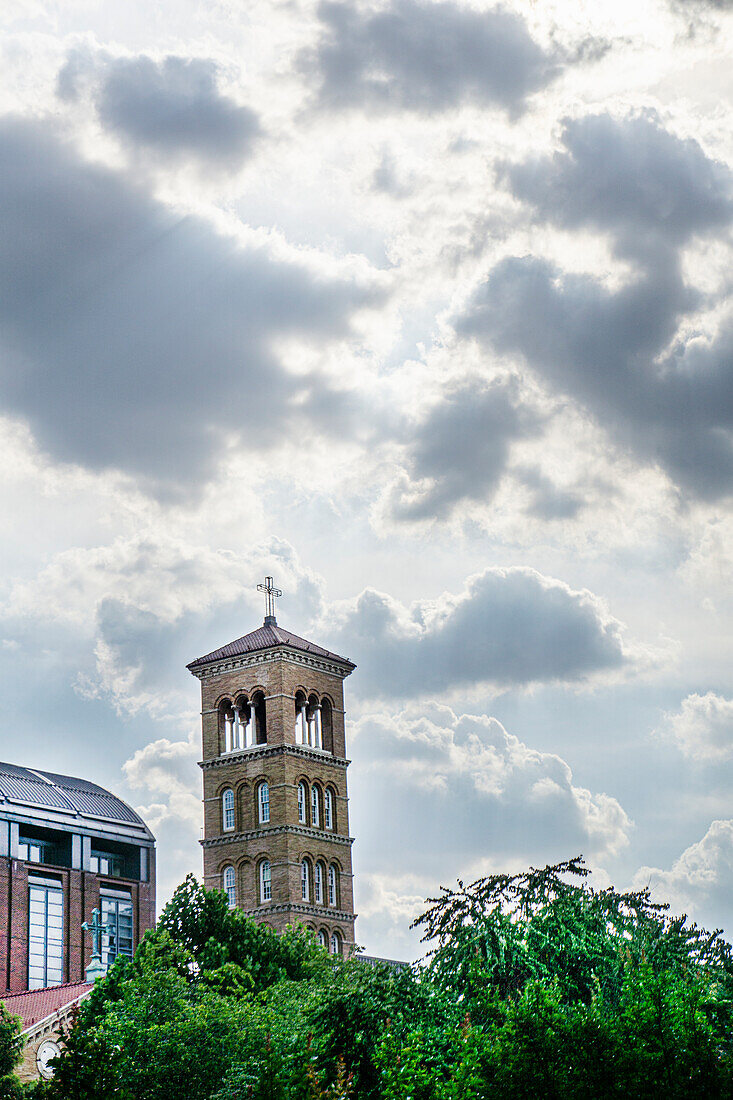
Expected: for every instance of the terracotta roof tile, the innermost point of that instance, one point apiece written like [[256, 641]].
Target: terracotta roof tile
[[37, 1004]]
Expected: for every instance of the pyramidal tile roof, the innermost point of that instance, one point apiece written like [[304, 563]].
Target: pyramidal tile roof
[[267, 636]]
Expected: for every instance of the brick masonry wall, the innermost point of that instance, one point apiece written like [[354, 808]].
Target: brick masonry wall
[[80, 897], [285, 841]]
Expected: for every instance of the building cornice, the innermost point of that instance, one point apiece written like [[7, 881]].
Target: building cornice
[[317, 911], [259, 752], [265, 656], [275, 830]]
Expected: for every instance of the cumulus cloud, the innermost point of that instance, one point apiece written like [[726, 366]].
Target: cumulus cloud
[[172, 107], [703, 727], [461, 448], [667, 399], [165, 771], [425, 56], [629, 177], [460, 791], [700, 881], [146, 342], [148, 604], [510, 627], [604, 348]]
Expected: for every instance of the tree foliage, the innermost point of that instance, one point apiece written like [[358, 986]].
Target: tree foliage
[[535, 985]]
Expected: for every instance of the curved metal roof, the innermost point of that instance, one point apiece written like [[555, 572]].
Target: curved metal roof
[[29, 787]]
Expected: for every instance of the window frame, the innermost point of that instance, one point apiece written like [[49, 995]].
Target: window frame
[[265, 881], [112, 945], [228, 812], [263, 802], [315, 807], [302, 803], [328, 809], [51, 949], [230, 888], [332, 886], [318, 882], [305, 884]]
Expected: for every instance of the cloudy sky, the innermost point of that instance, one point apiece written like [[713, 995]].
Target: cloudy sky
[[422, 306]]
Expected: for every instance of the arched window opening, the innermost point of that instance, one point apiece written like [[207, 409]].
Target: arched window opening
[[244, 720], [323, 938], [314, 723], [263, 801], [327, 725], [332, 885], [318, 877], [226, 726], [315, 807], [302, 803], [301, 719], [260, 718], [335, 943], [265, 881], [305, 886], [230, 886], [227, 809], [329, 817]]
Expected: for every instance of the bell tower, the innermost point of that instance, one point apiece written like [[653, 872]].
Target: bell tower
[[276, 819]]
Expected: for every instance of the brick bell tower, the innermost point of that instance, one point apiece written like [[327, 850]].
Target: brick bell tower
[[276, 819]]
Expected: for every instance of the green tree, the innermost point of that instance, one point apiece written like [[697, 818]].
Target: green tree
[[11, 1051]]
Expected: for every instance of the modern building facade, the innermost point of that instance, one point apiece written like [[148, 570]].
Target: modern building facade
[[276, 819], [67, 847]]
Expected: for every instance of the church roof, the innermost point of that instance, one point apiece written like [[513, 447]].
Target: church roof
[[267, 637], [37, 1004], [29, 789]]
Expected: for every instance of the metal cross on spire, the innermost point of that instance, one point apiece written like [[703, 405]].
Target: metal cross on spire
[[271, 594]]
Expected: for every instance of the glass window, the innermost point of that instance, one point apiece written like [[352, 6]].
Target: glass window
[[335, 944], [318, 883], [45, 936], [304, 883], [102, 863], [116, 915], [265, 881], [323, 938], [315, 809], [230, 886], [302, 799], [264, 800], [328, 809], [331, 885], [227, 805]]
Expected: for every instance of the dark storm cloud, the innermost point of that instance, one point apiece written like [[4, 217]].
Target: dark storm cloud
[[139, 341], [172, 107], [631, 178], [512, 627], [423, 56], [602, 348], [610, 349], [461, 449]]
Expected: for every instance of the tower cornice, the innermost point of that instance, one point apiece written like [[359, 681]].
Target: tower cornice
[[259, 752], [266, 831]]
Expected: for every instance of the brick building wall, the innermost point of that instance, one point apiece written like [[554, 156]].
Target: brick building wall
[[81, 894], [279, 674]]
